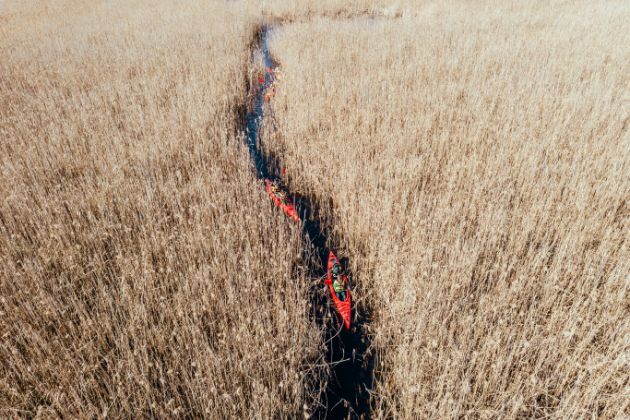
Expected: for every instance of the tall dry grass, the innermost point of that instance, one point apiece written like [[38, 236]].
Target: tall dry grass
[[140, 264], [283, 11], [473, 160]]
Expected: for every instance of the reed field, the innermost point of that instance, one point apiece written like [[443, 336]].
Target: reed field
[[473, 160], [140, 262]]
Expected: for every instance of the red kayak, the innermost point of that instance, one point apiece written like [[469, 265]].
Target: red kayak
[[344, 308], [285, 203]]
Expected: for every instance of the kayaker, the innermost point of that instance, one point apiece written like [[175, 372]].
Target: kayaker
[[271, 92], [277, 192], [338, 282]]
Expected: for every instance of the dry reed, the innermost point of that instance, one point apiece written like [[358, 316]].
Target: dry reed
[[473, 159], [140, 262]]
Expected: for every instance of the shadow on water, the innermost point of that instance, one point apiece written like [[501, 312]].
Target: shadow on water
[[348, 354]]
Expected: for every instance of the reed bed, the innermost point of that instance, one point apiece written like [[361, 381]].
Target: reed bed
[[143, 272], [473, 159]]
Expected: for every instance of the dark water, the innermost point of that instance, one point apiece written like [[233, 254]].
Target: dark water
[[254, 116], [347, 392]]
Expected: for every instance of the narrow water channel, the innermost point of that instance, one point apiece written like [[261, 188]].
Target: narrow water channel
[[348, 355]]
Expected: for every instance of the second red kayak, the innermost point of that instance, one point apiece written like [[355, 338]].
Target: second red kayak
[[281, 199]]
